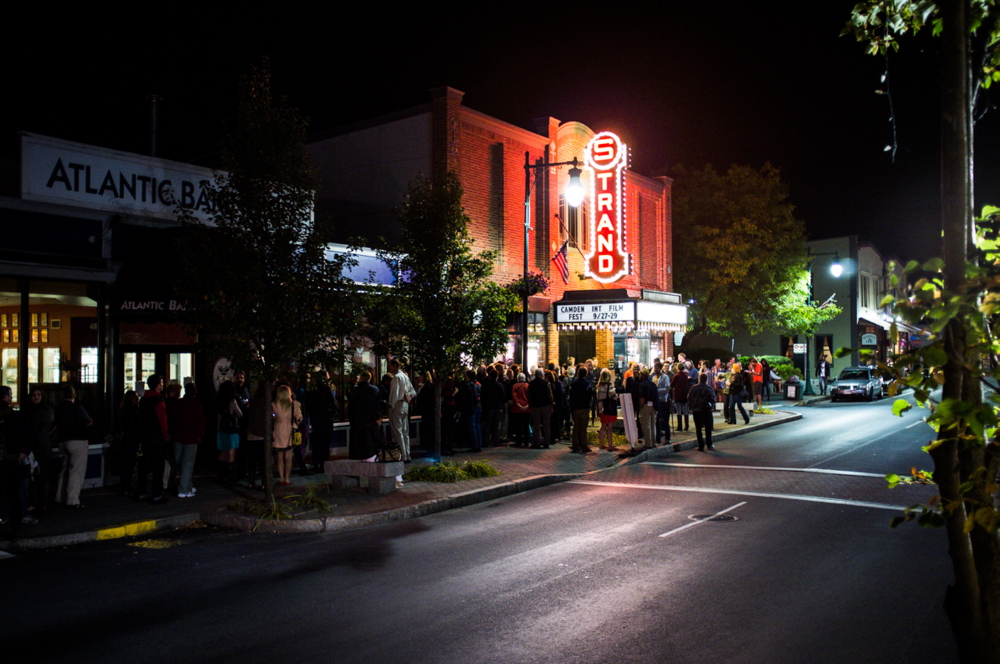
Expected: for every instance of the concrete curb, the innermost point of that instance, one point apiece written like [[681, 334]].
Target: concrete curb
[[115, 532], [339, 523]]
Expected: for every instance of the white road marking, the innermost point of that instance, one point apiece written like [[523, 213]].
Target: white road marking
[[794, 470], [918, 422], [753, 494], [707, 518]]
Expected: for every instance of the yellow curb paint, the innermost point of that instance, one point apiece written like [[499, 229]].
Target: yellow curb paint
[[128, 530]]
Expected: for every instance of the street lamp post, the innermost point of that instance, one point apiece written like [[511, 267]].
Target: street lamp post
[[836, 269], [574, 196]]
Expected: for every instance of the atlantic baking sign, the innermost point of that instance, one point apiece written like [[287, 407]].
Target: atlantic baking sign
[[67, 173]]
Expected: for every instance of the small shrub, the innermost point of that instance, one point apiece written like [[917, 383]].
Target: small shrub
[[777, 360], [449, 471], [763, 410], [479, 469], [310, 500], [445, 471], [786, 372]]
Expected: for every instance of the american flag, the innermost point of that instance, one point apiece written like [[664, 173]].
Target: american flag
[[560, 260]]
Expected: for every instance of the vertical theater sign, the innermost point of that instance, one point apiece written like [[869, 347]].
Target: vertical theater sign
[[606, 157]]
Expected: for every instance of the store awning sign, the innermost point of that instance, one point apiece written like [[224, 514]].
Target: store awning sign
[[606, 157]]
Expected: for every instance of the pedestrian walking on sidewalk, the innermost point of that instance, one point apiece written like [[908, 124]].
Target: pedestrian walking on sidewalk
[[228, 419], [701, 402], [39, 419], [540, 400], [14, 449], [737, 391], [580, 396], [74, 425], [401, 393], [648, 406], [188, 429], [287, 416], [128, 423]]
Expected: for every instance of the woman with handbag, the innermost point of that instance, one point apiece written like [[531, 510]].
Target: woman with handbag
[[607, 401], [287, 415]]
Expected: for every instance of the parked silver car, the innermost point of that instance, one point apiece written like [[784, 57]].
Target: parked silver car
[[857, 383]]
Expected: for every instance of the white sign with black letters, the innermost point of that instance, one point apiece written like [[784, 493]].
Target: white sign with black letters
[[607, 312], [67, 173]]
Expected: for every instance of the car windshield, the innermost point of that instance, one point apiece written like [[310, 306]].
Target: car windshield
[[853, 375]]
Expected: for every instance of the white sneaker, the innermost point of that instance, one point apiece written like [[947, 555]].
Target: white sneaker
[[185, 495], [194, 490]]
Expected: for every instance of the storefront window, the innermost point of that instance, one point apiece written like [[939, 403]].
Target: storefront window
[[180, 368], [138, 367], [8, 357], [88, 364]]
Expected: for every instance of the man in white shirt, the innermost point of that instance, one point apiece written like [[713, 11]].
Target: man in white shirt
[[401, 392]]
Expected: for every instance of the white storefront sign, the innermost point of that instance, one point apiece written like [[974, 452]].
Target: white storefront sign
[[595, 313], [869, 339], [67, 173]]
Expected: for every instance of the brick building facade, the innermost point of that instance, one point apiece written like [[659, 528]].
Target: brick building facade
[[365, 170]]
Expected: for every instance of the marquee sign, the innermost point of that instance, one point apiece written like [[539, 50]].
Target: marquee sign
[[606, 158], [609, 312]]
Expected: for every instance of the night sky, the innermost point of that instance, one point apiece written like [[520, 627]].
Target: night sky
[[692, 83]]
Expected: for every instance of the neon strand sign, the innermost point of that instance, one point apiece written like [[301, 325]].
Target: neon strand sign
[[606, 158]]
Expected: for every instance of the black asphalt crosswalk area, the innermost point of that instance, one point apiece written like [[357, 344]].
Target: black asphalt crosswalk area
[[750, 480]]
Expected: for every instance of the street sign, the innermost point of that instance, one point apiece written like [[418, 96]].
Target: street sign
[[799, 349]]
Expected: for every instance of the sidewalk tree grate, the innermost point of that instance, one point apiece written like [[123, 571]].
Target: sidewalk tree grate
[[709, 517]]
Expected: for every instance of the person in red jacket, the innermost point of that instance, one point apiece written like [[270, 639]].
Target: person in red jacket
[[188, 428]]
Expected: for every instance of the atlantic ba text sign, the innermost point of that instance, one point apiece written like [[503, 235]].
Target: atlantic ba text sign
[[608, 312], [68, 173], [606, 157]]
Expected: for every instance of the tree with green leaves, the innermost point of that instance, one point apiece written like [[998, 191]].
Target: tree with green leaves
[[259, 285], [739, 253], [959, 298], [444, 313]]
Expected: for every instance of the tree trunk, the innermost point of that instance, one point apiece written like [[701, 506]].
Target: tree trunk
[[973, 602], [437, 417]]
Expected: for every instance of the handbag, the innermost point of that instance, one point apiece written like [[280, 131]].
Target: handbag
[[390, 453], [296, 438]]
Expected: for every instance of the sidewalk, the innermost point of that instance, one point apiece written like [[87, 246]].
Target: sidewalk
[[108, 515]]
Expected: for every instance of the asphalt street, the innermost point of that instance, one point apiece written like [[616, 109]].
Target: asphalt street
[[754, 553]]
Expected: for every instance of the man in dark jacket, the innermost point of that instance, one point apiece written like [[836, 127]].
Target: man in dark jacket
[[493, 400], [701, 403], [580, 396], [154, 437], [540, 400], [365, 407], [468, 401], [321, 404]]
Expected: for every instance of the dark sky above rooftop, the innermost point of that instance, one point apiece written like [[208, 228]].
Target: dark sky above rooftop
[[683, 82]]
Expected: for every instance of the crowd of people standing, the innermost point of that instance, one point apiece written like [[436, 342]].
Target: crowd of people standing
[[489, 406]]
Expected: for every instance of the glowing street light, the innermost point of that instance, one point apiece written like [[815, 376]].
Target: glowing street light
[[574, 196]]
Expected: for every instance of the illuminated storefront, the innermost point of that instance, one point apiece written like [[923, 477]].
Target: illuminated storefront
[[84, 296], [618, 241]]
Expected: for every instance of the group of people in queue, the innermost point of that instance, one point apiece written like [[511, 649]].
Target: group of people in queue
[[26, 438], [499, 404]]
